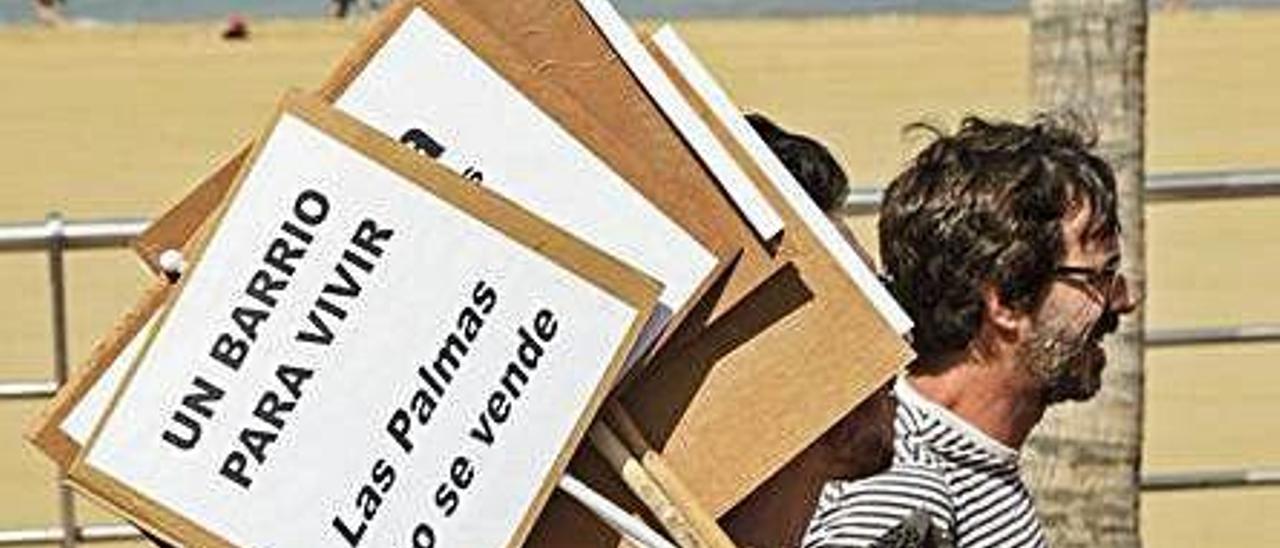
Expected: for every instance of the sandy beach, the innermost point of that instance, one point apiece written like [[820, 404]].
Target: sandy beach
[[119, 121]]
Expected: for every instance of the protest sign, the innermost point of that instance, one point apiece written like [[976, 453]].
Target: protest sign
[[65, 424], [174, 229], [819, 346], [389, 356], [553, 54]]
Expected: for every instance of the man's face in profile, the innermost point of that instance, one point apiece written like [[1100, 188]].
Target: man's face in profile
[[1083, 304]]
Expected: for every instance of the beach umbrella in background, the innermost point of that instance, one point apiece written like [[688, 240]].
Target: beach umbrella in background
[[1090, 56]]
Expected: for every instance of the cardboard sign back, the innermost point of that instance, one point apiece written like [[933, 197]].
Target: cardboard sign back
[[562, 46], [826, 350], [799, 351], [630, 294]]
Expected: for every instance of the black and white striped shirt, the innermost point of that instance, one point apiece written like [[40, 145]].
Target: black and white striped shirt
[[964, 480]]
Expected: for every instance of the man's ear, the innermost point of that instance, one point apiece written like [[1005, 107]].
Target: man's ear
[[1005, 320]]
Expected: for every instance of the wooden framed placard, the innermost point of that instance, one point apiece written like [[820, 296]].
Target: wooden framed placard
[[369, 351], [66, 423]]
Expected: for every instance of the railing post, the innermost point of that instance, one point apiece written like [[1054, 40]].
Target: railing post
[[57, 244]]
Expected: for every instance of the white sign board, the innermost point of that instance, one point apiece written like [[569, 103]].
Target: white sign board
[[356, 361], [680, 57], [424, 87]]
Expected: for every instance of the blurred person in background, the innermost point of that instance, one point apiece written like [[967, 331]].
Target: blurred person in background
[[340, 9], [49, 12]]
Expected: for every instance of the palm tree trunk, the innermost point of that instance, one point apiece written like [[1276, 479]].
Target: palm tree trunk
[[1083, 461]]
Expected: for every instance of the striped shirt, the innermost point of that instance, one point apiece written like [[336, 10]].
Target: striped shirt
[[965, 481]]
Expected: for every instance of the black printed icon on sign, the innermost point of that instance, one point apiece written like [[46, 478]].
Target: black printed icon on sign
[[422, 143]]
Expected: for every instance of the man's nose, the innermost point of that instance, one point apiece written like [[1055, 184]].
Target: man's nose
[[1125, 297]]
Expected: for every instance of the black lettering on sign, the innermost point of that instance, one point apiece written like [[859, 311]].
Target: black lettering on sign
[[230, 347], [424, 536], [437, 375], [422, 143], [198, 403], [331, 307], [515, 378], [461, 474], [367, 501], [270, 414]]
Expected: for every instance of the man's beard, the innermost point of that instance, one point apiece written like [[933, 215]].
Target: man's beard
[[1068, 362]]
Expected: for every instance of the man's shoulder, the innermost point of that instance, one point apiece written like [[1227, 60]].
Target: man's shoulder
[[859, 512], [902, 481]]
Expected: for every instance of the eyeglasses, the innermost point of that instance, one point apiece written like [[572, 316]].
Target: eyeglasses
[[1107, 281]]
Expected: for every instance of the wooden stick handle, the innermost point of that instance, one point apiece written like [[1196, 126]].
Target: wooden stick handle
[[642, 484], [694, 522]]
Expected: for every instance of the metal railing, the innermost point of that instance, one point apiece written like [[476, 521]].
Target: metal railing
[[1210, 479], [1161, 187], [59, 535], [55, 236], [69, 234]]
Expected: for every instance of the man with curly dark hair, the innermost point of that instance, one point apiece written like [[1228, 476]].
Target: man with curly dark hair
[[1001, 242]]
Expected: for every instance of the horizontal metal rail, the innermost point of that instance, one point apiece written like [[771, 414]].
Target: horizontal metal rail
[[24, 390], [1205, 185], [75, 234], [1161, 187], [1156, 338], [1210, 479], [1261, 333], [52, 535]]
